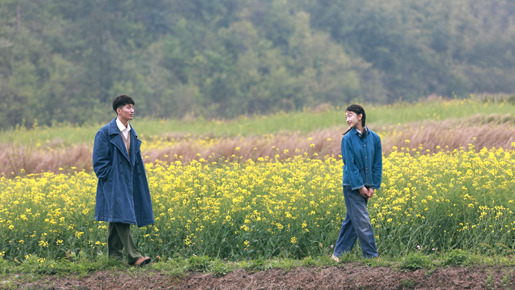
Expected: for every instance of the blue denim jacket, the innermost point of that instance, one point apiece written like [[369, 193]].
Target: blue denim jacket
[[362, 160]]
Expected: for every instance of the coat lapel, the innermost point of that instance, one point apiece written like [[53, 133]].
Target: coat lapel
[[117, 140], [135, 145]]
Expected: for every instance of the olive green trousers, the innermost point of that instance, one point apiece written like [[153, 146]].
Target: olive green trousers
[[119, 237]]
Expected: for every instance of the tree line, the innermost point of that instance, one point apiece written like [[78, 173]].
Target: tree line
[[64, 61]]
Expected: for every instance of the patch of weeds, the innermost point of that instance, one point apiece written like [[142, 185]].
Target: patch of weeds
[[457, 257], [286, 264], [317, 261], [377, 262], [172, 266], [3, 266], [259, 265], [263, 265], [82, 266], [109, 263], [179, 266], [7, 284], [42, 266], [495, 260], [349, 258], [407, 284], [308, 262], [506, 280], [78, 264], [10, 282], [246, 265], [490, 281], [220, 268], [415, 261], [200, 264], [430, 273], [502, 249], [22, 278], [253, 265]]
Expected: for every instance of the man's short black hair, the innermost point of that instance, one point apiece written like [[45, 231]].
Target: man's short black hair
[[121, 101]]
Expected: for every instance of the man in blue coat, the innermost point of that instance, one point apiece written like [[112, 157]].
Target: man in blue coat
[[123, 196]]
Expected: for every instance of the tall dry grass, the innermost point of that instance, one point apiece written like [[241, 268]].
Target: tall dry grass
[[430, 136], [481, 131], [17, 160]]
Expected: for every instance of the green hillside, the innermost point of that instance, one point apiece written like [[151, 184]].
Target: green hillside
[[64, 61], [303, 122]]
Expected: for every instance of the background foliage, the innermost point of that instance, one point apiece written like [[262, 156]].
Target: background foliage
[[63, 61]]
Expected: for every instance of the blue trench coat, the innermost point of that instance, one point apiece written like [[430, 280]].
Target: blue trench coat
[[123, 195]]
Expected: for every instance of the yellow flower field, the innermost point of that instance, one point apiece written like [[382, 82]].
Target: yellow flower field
[[275, 207]]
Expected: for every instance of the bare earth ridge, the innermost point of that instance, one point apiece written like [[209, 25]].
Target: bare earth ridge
[[346, 276]]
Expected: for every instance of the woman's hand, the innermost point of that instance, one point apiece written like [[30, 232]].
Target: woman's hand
[[364, 192], [370, 192]]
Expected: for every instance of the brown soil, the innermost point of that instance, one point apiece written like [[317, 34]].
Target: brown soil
[[347, 276]]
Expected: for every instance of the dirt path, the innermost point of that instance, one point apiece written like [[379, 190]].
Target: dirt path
[[348, 276]]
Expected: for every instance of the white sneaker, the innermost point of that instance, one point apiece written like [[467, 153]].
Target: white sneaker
[[335, 258]]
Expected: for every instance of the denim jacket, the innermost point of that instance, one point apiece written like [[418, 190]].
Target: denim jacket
[[362, 160]]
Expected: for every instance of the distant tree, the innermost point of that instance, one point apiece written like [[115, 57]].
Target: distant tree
[[224, 58]]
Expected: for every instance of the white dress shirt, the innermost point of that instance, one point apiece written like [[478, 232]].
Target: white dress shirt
[[123, 129]]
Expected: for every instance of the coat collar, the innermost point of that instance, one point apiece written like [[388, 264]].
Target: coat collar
[[116, 139], [353, 131], [122, 127], [113, 129]]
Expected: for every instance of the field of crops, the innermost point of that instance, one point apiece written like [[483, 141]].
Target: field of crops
[[289, 208], [282, 205]]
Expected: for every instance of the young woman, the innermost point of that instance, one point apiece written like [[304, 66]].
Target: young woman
[[362, 172]]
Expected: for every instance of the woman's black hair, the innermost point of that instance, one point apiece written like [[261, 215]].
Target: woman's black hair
[[121, 101], [358, 110]]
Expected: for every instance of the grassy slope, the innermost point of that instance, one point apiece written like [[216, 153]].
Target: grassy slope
[[304, 122]]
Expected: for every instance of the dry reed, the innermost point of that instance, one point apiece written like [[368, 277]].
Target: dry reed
[[17, 160], [424, 137], [479, 131]]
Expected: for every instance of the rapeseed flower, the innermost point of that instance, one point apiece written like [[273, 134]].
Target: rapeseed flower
[[273, 207]]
